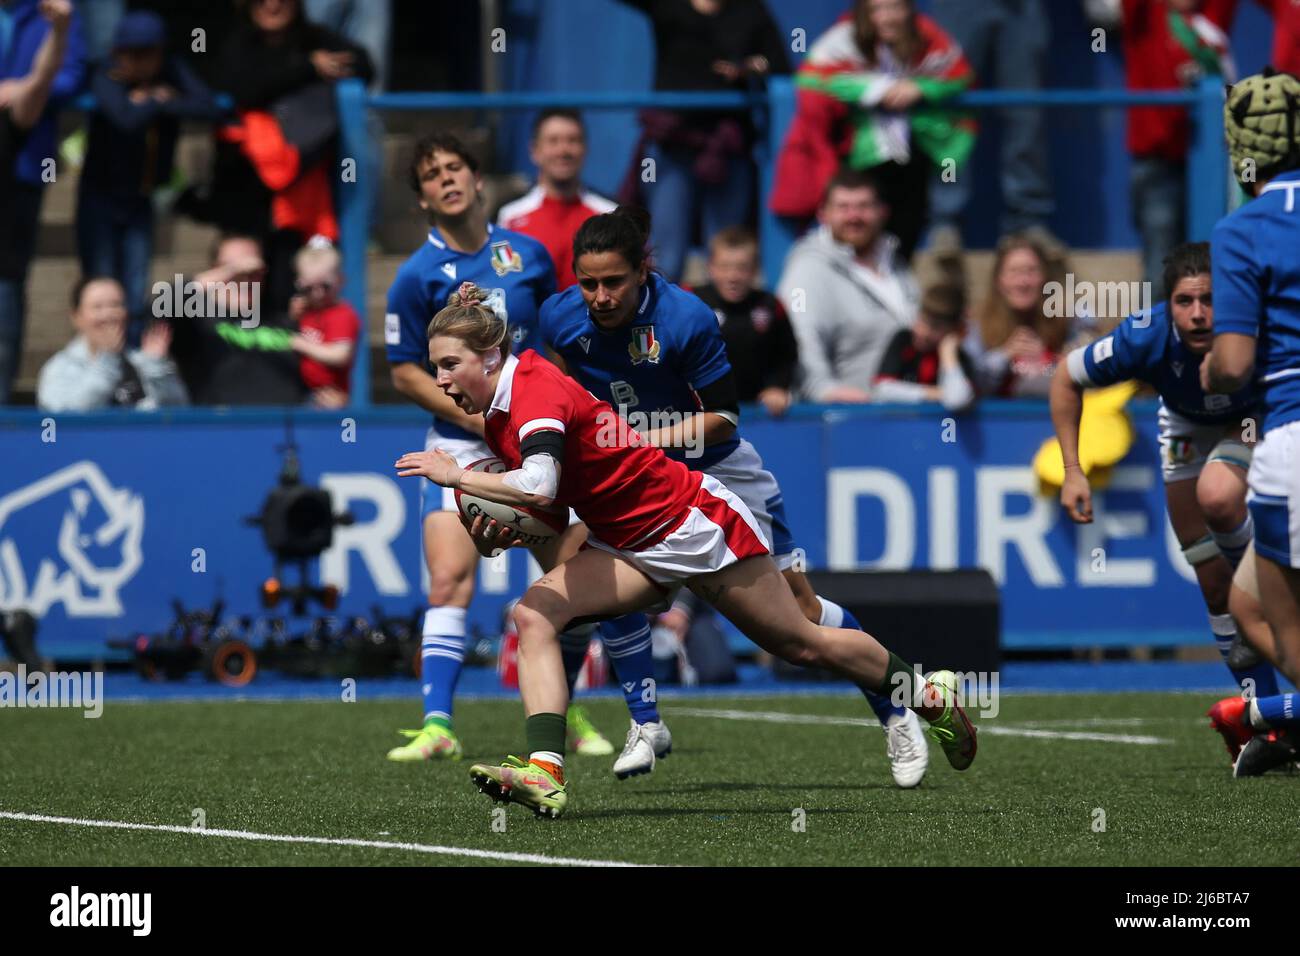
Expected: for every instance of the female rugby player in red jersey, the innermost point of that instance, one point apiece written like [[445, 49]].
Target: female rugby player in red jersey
[[654, 526]]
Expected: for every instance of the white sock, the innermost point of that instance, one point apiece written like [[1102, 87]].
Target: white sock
[[832, 613], [548, 756], [1256, 718]]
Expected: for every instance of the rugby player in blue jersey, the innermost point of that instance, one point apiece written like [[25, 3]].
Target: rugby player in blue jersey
[[1202, 452], [656, 354], [1257, 340], [518, 275]]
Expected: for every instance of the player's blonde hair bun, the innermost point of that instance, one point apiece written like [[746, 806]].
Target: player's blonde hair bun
[[468, 317], [468, 294]]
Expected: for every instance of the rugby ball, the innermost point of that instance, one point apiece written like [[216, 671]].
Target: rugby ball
[[534, 525]]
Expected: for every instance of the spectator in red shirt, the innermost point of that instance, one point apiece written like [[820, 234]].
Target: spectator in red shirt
[[1167, 44], [552, 211], [1286, 34], [327, 326]]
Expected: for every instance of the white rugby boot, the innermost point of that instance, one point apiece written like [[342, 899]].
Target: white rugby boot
[[645, 742], [909, 755]]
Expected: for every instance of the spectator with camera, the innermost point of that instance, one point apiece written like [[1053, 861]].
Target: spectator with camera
[[236, 350]]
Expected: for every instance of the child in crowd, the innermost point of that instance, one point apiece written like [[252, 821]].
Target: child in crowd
[[327, 326], [926, 363], [760, 342]]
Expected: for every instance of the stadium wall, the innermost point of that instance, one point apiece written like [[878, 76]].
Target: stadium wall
[[105, 518]]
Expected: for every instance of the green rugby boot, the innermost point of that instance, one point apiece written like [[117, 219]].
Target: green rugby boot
[[430, 743], [584, 738], [527, 784], [953, 730]]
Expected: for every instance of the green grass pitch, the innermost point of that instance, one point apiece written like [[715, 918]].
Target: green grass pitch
[[727, 795]]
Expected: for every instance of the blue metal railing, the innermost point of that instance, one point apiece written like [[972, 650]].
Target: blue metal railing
[[1207, 159]]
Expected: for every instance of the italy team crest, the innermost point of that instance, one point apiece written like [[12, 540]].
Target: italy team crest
[[505, 259], [644, 347], [1180, 451]]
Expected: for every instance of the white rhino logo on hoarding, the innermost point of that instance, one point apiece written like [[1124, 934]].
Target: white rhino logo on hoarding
[[81, 548]]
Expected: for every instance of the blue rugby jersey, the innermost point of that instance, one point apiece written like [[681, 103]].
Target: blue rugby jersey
[[514, 269], [656, 362], [1148, 349], [1256, 256]]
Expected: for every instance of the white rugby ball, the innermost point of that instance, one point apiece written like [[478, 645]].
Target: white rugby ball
[[534, 525]]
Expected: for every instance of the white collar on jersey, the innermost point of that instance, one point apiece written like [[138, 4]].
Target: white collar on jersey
[[438, 243], [501, 400], [1290, 185]]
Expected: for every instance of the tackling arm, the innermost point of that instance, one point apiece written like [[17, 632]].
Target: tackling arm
[[1231, 362], [712, 426]]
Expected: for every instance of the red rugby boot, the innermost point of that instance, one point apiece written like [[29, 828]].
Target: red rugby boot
[[1229, 718]]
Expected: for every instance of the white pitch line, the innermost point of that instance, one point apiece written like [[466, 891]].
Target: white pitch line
[[320, 841], [996, 730]]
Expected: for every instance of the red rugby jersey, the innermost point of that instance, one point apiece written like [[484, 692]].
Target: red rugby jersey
[[629, 493], [554, 222], [1154, 59]]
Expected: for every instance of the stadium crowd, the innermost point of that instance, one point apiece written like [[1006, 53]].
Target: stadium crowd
[[872, 167]]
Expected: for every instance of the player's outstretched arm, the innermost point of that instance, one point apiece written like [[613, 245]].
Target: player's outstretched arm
[[533, 485], [1066, 398]]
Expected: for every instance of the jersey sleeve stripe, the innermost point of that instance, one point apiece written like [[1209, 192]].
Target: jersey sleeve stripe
[[1077, 366], [543, 442], [537, 424]]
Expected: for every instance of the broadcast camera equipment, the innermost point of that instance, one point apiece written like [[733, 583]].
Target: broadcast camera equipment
[[18, 635], [196, 640], [297, 523]]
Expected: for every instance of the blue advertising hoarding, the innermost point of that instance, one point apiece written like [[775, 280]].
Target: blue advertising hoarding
[[106, 518]]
